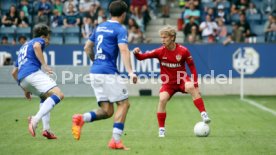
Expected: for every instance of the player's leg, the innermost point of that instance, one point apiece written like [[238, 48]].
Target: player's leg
[[118, 94], [53, 97], [198, 101], [46, 124], [105, 111], [161, 114], [42, 85], [118, 126]]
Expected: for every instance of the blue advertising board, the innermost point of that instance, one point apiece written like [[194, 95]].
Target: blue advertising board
[[213, 59]]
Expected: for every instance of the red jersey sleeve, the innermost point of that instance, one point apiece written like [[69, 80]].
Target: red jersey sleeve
[[192, 67], [152, 54]]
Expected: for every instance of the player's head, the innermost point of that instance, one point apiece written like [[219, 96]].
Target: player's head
[[118, 9], [43, 31], [168, 35]]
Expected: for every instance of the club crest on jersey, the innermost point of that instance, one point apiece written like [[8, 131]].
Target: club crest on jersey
[[178, 57]]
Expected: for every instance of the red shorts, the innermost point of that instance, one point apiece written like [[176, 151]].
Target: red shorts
[[173, 88]]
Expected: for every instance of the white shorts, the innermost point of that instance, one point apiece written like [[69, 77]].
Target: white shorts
[[109, 87], [38, 83]]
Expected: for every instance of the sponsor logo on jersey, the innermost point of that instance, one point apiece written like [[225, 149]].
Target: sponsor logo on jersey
[[171, 65]]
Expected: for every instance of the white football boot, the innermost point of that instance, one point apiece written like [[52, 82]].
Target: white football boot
[[162, 132], [205, 117]]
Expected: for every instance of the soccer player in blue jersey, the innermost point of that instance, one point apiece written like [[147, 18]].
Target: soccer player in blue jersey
[[109, 38], [33, 80]]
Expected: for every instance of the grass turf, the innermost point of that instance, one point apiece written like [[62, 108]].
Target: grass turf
[[236, 128]]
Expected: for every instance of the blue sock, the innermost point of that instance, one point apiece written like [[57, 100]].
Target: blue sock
[[117, 131], [89, 116]]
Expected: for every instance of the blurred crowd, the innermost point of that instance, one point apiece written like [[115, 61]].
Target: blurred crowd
[[82, 14], [207, 21], [228, 21]]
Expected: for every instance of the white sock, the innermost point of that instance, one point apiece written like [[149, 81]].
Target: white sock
[[86, 117], [46, 107], [117, 133], [45, 120]]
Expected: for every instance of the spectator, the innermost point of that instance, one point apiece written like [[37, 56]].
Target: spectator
[[4, 40], [139, 8], [11, 18], [23, 21], [221, 13], [58, 6], [191, 12], [251, 10], [268, 6], [66, 6], [222, 30], [72, 18], [101, 17], [270, 29], [22, 40], [244, 26], [131, 22], [56, 19], [87, 27], [84, 6], [208, 29], [188, 27], [165, 8], [92, 12], [193, 37], [234, 10], [236, 35], [135, 35], [41, 17], [45, 6], [139, 20], [24, 6], [242, 5]]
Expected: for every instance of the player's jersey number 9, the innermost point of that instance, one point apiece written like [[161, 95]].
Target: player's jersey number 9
[[22, 55]]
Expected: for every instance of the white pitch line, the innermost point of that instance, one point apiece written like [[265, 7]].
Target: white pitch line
[[258, 105]]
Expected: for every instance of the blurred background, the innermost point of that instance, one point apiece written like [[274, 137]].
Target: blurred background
[[219, 33]]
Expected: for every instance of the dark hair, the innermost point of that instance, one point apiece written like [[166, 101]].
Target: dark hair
[[22, 37], [4, 38], [41, 30], [117, 8]]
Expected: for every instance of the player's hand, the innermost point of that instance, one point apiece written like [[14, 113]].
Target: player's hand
[[195, 84], [133, 77], [136, 50], [28, 95], [47, 69]]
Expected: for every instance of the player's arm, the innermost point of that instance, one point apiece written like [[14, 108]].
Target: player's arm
[[39, 54], [14, 73], [125, 54], [142, 56], [89, 50], [192, 68]]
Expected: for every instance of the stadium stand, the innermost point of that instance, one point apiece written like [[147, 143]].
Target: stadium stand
[[150, 23]]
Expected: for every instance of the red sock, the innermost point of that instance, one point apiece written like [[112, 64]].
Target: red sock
[[161, 117], [199, 104]]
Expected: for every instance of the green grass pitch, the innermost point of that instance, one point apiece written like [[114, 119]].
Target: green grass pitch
[[236, 128]]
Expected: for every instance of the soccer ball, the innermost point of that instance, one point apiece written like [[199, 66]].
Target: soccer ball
[[201, 129]]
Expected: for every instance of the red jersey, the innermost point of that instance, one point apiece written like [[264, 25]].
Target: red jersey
[[172, 63]]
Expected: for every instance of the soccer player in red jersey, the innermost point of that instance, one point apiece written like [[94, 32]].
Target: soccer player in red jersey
[[172, 58]]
